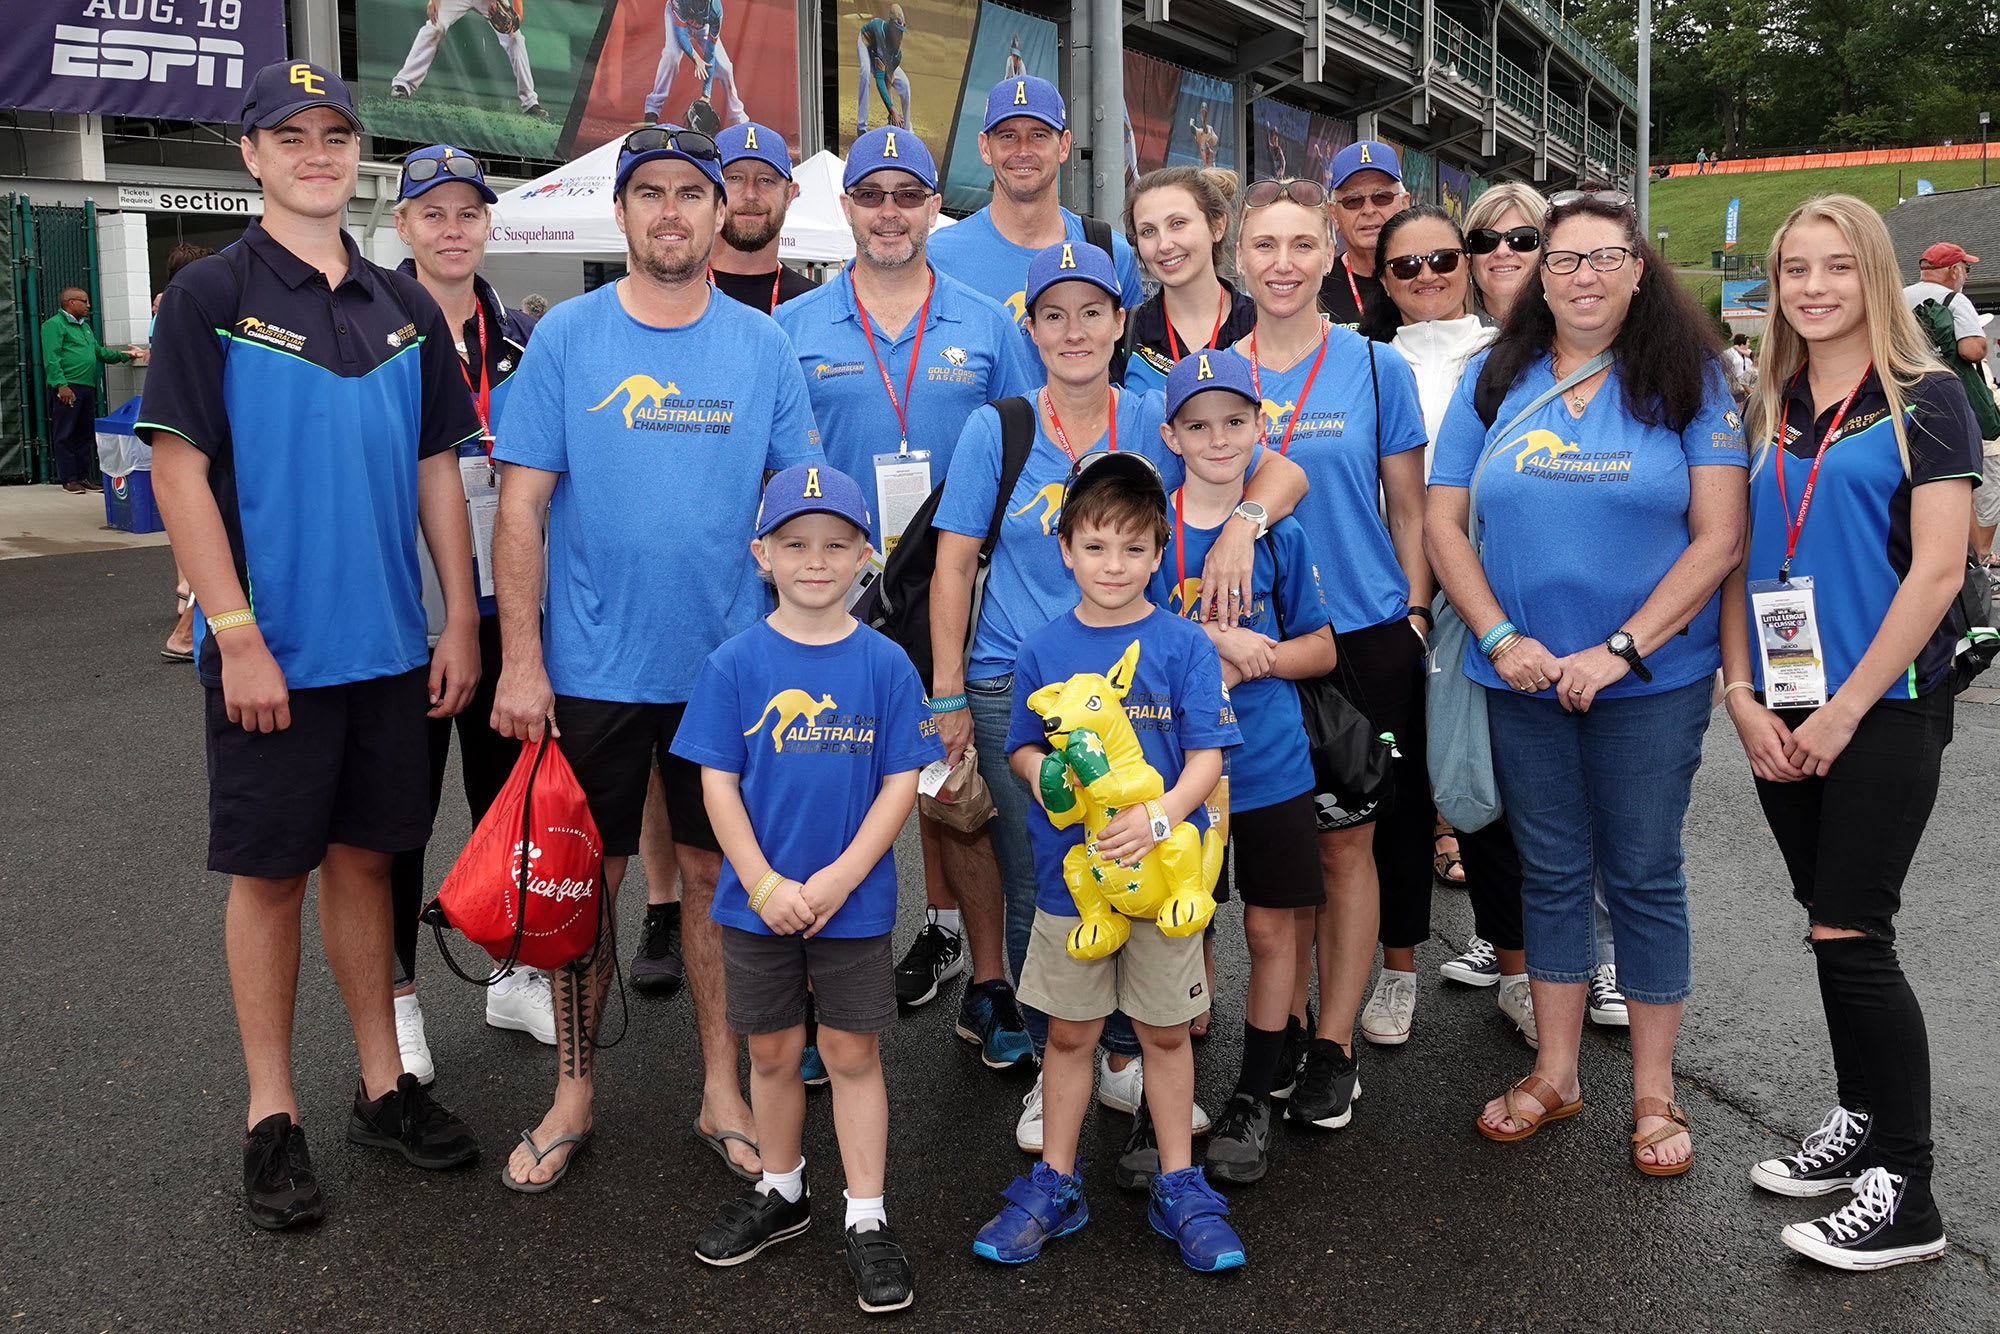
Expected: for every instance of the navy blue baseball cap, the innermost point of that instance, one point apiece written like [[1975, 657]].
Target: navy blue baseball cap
[[810, 488], [668, 141], [428, 168], [1365, 155], [279, 92], [1072, 261], [758, 141], [1026, 95], [1105, 465], [1206, 369], [887, 149]]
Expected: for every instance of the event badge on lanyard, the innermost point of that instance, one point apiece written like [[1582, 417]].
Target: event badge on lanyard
[[902, 478], [476, 471]]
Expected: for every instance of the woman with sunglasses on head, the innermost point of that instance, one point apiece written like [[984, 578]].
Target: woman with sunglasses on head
[[1503, 236], [1609, 473], [1857, 549], [1351, 418], [1178, 219]]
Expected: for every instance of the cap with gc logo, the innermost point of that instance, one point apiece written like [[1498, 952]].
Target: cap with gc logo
[[1026, 95], [1210, 368], [279, 92], [810, 488]]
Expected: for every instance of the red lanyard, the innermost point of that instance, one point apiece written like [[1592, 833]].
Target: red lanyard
[[1792, 529], [909, 381], [774, 285], [1049, 406], [482, 392], [1221, 310], [1257, 383], [1352, 287]]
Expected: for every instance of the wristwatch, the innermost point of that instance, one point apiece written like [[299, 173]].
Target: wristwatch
[[1162, 827], [1627, 648], [1256, 514]]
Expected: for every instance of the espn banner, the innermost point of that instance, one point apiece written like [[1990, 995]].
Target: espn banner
[[170, 59]]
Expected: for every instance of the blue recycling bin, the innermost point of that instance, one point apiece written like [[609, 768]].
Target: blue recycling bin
[[127, 464]]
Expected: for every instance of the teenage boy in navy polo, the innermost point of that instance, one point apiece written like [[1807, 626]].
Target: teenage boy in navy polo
[[810, 729], [897, 356], [1025, 140], [304, 409], [641, 425], [1111, 531]]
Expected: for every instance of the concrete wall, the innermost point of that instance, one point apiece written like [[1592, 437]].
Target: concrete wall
[[125, 295]]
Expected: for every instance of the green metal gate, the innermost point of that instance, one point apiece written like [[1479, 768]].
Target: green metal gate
[[47, 247]]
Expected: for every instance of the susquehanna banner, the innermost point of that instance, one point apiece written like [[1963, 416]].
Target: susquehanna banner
[[172, 59]]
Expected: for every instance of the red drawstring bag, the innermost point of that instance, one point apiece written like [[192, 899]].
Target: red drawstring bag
[[541, 908]]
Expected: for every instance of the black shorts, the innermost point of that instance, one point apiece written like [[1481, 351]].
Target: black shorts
[[853, 981], [613, 748], [1274, 855], [352, 768]]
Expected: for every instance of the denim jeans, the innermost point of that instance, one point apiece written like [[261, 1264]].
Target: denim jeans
[[992, 704], [1603, 795]]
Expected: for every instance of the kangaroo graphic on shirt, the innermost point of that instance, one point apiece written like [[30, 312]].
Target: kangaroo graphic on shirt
[[1541, 441], [643, 389], [1183, 595], [1050, 498], [790, 706]]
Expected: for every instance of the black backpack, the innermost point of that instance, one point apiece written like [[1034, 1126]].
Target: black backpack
[[899, 603]]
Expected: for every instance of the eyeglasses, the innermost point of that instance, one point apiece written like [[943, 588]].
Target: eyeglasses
[[1615, 198], [418, 170], [1520, 240], [1379, 198], [689, 143], [906, 196], [1441, 262], [1605, 259], [1306, 194]]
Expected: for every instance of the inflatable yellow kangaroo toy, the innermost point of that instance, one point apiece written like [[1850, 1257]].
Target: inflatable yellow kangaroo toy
[[1094, 770]]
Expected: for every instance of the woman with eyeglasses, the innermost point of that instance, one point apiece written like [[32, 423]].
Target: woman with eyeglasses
[[1837, 652], [1596, 452], [1351, 418], [1178, 219], [1503, 236]]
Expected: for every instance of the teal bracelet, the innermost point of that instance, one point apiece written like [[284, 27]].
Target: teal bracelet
[[948, 703], [1491, 639]]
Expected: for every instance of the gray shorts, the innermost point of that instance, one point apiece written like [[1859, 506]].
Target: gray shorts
[[1154, 978], [1986, 498], [853, 981]]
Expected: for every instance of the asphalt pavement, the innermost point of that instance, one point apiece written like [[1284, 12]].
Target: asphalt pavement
[[120, 1205]]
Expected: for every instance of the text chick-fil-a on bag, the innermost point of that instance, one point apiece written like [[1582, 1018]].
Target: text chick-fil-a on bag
[[528, 889]]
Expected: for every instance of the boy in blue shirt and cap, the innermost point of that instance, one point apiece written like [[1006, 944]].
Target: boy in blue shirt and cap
[[810, 729]]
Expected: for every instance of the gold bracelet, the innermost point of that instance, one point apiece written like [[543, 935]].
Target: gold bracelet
[[231, 620], [765, 888], [1507, 641], [1738, 685]]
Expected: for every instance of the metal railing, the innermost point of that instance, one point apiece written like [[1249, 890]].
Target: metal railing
[[1566, 122], [1458, 48], [1550, 20], [1399, 17], [1520, 90]]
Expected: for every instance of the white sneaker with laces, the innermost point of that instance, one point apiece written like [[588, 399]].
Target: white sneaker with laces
[[1028, 1130], [1517, 1002], [522, 1001], [1386, 1020], [410, 1039], [1607, 1002], [1123, 1090]]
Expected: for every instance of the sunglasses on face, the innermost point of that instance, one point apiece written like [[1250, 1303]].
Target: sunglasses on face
[[1441, 262], [1520, 240], [691, 143], [418, 170], [1379, 198], [907, 196], [1605, 259], [1263, 194]]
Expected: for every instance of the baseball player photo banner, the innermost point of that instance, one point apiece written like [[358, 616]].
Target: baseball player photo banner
[[1454, 191], [174, 59], [1203, 128], [495, 76], [903, 63], [1151, 89], [702, 64], [1278, 136], [1008, 43], [1325, 137]]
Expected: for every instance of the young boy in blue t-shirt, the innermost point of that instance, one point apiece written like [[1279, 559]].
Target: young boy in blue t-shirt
[[1282, 636], [1113, 522], [810, 729]]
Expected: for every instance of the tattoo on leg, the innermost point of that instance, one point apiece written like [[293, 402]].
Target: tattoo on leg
[[582, 1006]]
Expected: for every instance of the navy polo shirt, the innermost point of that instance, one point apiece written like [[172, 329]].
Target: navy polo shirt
[[314, 405]]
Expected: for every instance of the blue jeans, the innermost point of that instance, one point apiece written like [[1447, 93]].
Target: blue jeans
[[992, 704], [1603, 795]]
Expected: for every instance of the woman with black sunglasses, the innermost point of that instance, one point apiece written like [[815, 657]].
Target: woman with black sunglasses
[[1503, 236]]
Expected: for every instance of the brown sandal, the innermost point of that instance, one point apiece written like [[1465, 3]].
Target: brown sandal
[[1553, 1108], [1677, 1124], [1443, 863]]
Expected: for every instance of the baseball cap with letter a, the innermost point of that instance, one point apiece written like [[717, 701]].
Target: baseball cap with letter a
[[810, 488], [1026, 95]]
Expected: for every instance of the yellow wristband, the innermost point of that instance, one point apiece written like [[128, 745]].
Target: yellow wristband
[[1737, 685], [231, 620], [765, 888]]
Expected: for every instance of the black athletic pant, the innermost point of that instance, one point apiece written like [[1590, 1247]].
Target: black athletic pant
[[73, 433], [1493, 883], [1380, 671]]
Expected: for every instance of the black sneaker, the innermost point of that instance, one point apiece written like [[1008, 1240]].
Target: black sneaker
[[279, 1188], [1239, 1148], [1831, 1158], [1289, 1057], [882, 1277], [936, 956], [656, 968], [413, 1123], [1329, 1083], [749, 1223], [1139, 1160], [1890, 1221]]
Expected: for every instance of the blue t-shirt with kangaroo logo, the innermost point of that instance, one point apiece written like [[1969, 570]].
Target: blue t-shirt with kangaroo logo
[[813, 730]]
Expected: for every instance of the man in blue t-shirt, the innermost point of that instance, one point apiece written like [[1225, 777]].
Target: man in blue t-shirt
[[304, 411], [1026, 141], [641, 424]]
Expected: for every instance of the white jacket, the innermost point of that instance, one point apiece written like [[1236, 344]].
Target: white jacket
[[1437, 351]]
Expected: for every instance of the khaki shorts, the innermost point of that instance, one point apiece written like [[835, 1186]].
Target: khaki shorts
[[1154, 978], [1986, 498]]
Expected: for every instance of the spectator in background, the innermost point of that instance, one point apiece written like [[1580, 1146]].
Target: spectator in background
[[1741, 369], [70, 355], [1700, 161], [1941, 274], [180, 644], [535, 304]]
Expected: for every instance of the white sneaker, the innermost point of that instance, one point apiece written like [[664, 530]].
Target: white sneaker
[[410, 1039], [1028, 1130], [1386, 1020], [1607, 1003], [1123, 1090], [1517, 1002], [525, 1005]]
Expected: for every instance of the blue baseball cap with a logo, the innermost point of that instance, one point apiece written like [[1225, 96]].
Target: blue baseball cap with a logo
[[1365, 155], [1071, 261], [753, 140], [810, 488], [439, 164], [1026, 95], [279, 92], [1206, 369], [656, 142], [888, 149]]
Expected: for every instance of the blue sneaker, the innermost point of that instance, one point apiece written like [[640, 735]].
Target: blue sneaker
[[990, 1018], [1040, 1206], [1186, 1210], [812, 1069]]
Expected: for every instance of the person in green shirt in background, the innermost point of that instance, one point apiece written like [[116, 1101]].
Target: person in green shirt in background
[[70, 353]]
